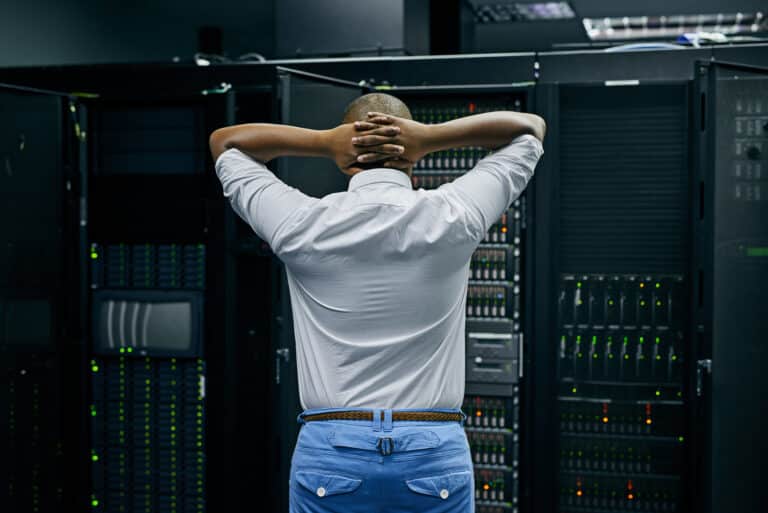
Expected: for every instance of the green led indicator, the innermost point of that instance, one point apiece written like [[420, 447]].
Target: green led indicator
[[594, 356], [658, 303], [95, 503], [658, 393], [573, 390], [642, 303], [658, 285], [94, 256], [122, 349], [95, 457], [626, 357], [757, 252], [578, 284], [95, 368], [674, 357], [658, 339], [642, 340], [129, 349], [680, 438], [610, 302]]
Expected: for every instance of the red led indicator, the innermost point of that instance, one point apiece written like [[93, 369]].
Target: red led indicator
[[472, 107]]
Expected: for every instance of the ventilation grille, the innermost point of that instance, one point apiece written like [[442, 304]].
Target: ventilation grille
[[623, 179]]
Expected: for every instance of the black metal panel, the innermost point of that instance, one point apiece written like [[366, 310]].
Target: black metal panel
[[733, 259], [623, 179], [38, 324], [592, 66]]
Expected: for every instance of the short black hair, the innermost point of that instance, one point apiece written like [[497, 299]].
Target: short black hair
[[358, 109]]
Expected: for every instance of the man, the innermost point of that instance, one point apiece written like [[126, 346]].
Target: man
[[378, 282]]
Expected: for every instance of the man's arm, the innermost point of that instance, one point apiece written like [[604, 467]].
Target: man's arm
[[264, 142]]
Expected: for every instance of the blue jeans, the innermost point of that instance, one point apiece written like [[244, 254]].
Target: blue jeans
[[354, 466]]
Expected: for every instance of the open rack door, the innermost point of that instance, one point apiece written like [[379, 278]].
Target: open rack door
[[42, 463], [317, 102], [731, 222]]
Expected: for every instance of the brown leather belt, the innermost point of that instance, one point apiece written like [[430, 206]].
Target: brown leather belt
[[396, 415]]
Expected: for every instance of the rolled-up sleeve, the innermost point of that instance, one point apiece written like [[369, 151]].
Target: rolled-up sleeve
[[259, 197], [488, 190]]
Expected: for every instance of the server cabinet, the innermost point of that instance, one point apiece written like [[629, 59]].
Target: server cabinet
[[317, 102], [615, 279], [731, 270], [155, 327], [42, 463]]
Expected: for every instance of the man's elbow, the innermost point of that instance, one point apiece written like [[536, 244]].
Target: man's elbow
[[538, 127], [219, 142]]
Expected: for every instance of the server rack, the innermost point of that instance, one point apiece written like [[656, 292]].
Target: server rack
[[40, 331], [618, 286]]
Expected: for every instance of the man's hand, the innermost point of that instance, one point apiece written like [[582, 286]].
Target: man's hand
[[380, 144], [411, 135]]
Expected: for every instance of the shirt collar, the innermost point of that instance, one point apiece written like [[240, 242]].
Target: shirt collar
[[379, 175]]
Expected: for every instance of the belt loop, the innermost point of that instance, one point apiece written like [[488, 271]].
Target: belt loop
[[300, 418], [388, 419], [377, 419]]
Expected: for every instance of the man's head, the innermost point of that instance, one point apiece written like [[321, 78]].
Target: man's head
[[358, 110]]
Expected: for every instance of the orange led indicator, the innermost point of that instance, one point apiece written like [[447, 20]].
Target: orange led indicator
[[648, 421], [642, 285], [486, 487], [478, 413], [630, 496], [503, 229], [605, 420], [579, 493]]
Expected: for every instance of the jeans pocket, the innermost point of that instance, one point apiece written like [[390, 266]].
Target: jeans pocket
[[326, 484], [442, 486]]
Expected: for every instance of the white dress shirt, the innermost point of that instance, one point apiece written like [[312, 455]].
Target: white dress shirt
[[378, 273]]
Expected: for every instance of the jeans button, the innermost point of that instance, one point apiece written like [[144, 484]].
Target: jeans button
[[321, 492], [444, 493]]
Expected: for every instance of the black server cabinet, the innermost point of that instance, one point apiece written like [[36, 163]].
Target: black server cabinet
[[731, 270], [155, 326], [41, 350], [496, 320], [614, 279]]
